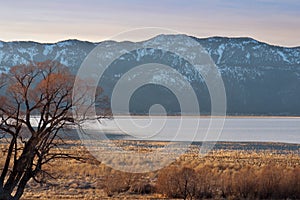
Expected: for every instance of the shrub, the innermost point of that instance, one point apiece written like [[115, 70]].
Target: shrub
[[205, 182], [178, 182], [117, 183], [245, 183], [268, 182], [142, 188]]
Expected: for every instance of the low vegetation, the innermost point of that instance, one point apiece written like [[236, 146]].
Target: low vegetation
[[222, 174]]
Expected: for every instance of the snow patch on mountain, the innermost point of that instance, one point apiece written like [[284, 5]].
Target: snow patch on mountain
[[164, 78], [2, 54], [220, 51], [48, 49], [140, 54], [64, 61], [31, 52], [4, 69], [283, 56], [65, 44], [248, 56], [240, 72]]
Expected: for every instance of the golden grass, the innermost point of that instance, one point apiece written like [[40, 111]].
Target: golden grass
[[223, 173]]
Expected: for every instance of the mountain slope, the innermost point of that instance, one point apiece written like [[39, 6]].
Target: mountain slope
[[260, 79]]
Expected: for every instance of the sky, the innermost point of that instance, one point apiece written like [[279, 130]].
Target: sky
[[272, 21]]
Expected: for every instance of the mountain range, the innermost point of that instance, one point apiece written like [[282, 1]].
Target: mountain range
[[259, 79]]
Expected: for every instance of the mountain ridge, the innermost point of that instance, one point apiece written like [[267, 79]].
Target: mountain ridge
[[201, 38], [260, 79], [15, 53]]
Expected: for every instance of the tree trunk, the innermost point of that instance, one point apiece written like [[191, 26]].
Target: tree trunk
[[4, 195], [22, 185], [7, 161], [21, 172]]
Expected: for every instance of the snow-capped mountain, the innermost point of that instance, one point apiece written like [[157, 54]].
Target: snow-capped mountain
[[70, 52], [260, 79]]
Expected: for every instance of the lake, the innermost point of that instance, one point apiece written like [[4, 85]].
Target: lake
[[234, 129]]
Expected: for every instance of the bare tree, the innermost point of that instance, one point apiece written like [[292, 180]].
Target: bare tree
[[40, 91]]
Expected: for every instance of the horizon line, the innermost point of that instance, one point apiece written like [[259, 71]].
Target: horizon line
[[126, 40]]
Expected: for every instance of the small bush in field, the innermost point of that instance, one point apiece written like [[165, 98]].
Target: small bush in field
[[142, 188], [166, 183], [117, 183], [183, 183], [121, 182]]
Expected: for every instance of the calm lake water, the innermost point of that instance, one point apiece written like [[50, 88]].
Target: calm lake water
[[242, 129]]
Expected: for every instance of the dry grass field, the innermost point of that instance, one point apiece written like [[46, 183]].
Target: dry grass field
[[230, 171]]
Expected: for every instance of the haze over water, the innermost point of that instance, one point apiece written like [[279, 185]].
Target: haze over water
[[235, 129]]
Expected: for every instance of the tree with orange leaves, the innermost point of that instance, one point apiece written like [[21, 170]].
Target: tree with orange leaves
[[42, 91]]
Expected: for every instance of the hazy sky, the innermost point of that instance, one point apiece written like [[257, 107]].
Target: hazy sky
[[272, 21]]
